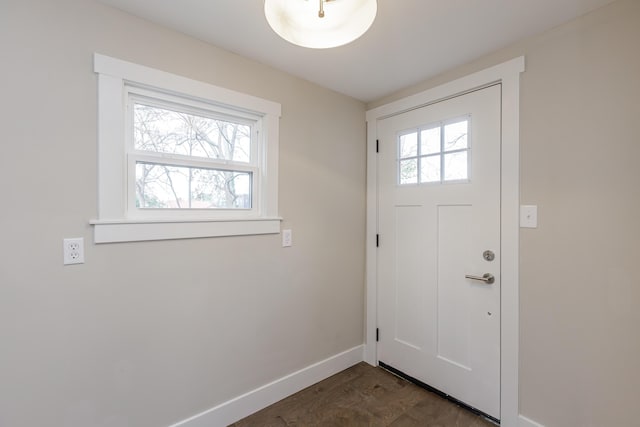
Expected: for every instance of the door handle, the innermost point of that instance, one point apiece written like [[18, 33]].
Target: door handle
[[486, 278]]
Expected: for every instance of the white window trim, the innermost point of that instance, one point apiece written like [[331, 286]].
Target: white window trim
[[114, 224]]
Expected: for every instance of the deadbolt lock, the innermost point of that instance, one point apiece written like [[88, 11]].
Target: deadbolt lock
[[488, 255]]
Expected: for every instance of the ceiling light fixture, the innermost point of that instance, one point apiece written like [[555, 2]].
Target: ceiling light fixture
[[332, 23]]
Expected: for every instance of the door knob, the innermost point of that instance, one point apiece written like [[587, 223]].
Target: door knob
[[486, 278]]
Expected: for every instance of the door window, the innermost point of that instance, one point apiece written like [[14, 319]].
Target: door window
[[435, 153]]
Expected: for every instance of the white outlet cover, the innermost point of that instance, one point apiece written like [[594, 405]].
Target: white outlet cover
[[73, 251]]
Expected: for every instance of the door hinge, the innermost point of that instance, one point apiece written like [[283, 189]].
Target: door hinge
[[377, 334], [377, 145], [377, 240]]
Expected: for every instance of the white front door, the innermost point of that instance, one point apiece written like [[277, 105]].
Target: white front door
[[439, 221]]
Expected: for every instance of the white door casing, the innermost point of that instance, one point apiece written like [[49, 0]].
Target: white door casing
[[508, 74], [436, 325]]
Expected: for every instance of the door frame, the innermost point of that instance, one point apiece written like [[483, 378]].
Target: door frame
[[508, 75]]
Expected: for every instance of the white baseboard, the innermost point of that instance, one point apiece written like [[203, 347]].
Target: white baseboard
[[237, 408], [526, 422]]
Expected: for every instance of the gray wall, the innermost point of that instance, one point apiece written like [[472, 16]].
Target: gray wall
[[579, 282], [146, 334]]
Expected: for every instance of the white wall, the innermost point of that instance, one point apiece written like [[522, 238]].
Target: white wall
[[580, 288], [147, 334]]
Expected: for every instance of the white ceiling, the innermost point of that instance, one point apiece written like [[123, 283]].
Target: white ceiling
[[410, 41]]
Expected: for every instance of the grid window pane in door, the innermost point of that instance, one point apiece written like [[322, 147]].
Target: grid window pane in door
[[435, 153], [455, 135], [456, 166], [409, 145], [409, 171], [430, 141], [430, 169]]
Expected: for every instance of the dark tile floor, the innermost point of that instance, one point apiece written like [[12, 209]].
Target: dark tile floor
[[364, 396]]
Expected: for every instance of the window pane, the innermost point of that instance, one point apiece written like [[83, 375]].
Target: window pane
[[177, 187], [456, 166], [455, 135], [409, 171], [430, 141], [409, 145], [165, 131], [430, 169]]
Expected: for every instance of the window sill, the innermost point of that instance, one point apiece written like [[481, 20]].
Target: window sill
[[139, 231]]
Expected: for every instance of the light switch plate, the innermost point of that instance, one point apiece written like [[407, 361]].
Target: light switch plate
[[287, 238], [529, 216]]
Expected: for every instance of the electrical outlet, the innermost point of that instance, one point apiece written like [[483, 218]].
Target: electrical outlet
[[73, 251]]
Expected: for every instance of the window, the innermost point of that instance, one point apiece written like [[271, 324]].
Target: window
[[184, 156], [435, 153], [180, 158]]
